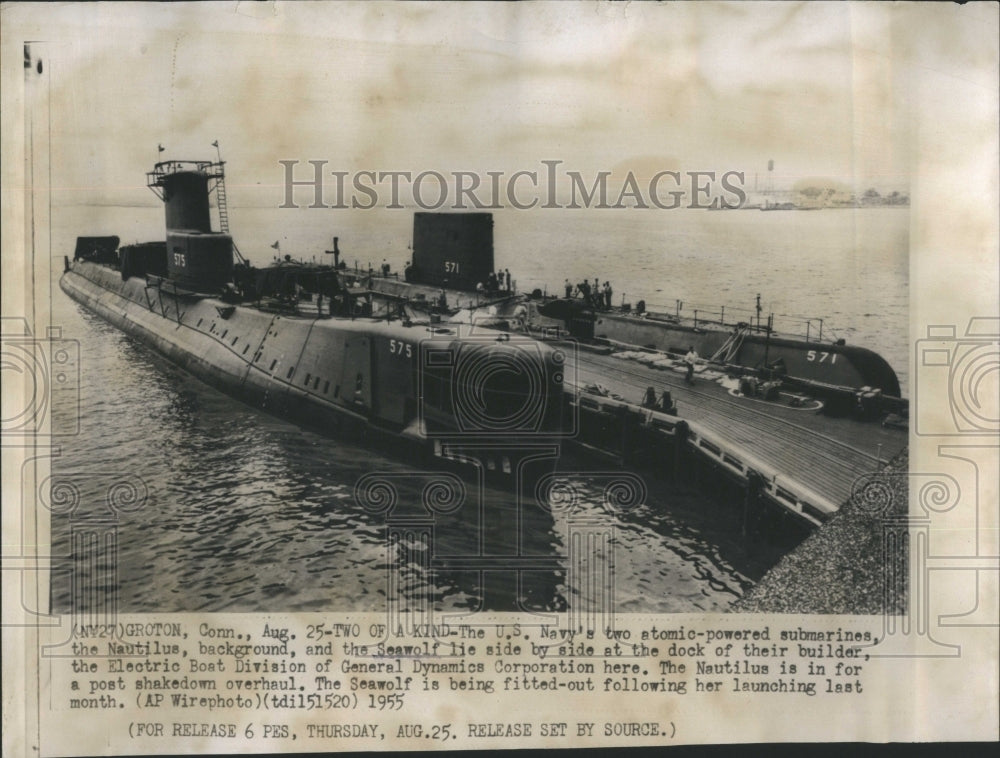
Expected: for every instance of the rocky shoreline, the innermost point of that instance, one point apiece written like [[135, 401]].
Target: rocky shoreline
[[841, 567]]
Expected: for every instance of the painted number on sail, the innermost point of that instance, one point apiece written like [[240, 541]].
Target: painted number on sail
[[811, 356], [451, 267], [180, 260], [398, 347]]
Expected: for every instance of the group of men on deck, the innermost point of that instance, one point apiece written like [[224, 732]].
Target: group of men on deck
[[595, 295], [495, 284]]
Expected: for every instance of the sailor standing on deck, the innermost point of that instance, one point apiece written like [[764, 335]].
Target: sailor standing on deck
[[690, 359], [521, 317], [649, 399]]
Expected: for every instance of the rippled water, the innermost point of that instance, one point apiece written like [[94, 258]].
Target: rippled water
[[245, 512]]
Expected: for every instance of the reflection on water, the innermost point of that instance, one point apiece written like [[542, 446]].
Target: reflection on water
[[244, 512]]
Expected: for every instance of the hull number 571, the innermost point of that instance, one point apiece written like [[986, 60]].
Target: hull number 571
[[811, 356]]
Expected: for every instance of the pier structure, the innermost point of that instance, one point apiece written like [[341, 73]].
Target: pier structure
[[794, 457]]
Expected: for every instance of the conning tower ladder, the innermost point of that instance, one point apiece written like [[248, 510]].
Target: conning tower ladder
[[220, 199]]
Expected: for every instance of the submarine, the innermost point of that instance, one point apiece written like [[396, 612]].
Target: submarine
[[850, 379], [811, 364], [833, 370], [306, 343]]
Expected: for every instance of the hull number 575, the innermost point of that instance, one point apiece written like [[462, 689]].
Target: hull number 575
[[398, 347]]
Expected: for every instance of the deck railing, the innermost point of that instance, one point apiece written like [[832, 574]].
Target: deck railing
[[809, 328]]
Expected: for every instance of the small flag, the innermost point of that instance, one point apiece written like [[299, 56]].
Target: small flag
[[276, 246], [160, 148], [215, 144]]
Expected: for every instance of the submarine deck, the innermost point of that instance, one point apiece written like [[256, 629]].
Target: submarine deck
[[820, 453]]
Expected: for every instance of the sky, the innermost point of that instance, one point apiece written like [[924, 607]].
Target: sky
[[821, 89]]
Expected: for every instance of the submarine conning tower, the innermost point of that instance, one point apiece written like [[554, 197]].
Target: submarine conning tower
[[453, 250], [197, 257]]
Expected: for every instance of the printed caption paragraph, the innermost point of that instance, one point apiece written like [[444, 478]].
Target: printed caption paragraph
[[322, 684]]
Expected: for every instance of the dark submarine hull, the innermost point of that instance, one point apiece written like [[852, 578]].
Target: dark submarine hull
[[817, 363], [821, 367], [358, 379]]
